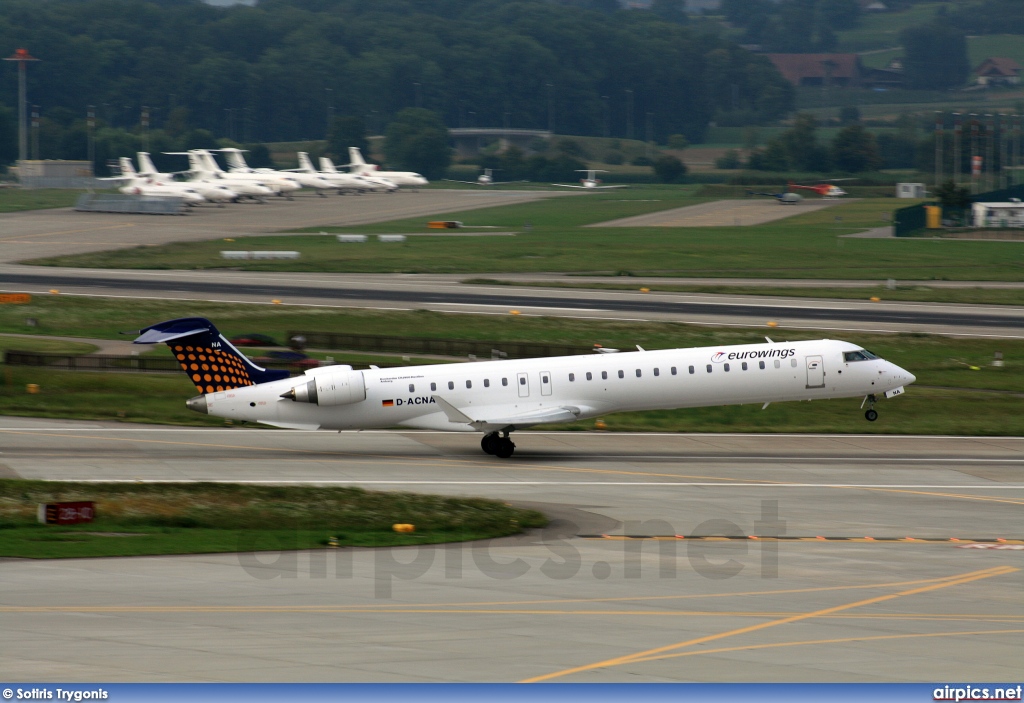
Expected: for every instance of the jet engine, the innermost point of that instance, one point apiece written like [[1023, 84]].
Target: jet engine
[[326, 389]]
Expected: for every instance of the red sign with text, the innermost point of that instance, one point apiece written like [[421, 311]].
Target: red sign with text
[[67, 513]]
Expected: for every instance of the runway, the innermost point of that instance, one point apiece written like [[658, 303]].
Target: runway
[[445, 294], [564, 604]]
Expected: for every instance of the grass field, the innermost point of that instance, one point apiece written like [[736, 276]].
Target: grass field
[[189, 518], [801, 246], [958, 391], [15, 199]]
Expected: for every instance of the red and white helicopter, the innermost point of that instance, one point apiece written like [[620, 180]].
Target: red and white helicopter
[[827, 189]]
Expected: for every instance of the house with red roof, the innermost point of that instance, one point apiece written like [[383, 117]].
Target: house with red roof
[[998, 71]]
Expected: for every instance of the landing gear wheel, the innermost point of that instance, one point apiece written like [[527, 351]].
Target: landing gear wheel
[[490, 443], [505, 448], [871, 415]]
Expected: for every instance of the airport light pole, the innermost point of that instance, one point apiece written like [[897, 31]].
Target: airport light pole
[[22, 57], [35, 132], [90, 125], [629, 113]]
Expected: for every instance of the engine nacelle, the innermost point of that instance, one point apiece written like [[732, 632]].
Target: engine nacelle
[[326, 389]]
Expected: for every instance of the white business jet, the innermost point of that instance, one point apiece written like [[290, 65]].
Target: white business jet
[[590, 182], [215, 193], [499, 397], [344, 182], [236, 164], [204, 169], [485, 179], [400, 178], [135, 184], [376, 183]]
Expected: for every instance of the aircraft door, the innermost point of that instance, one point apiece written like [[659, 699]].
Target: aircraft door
[[815, 372], [523, 380], [545, 383]]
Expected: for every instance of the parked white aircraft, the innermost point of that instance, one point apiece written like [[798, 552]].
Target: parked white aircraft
[[498, 397], [485, 179], [204, 169], [139, 185], [236, 164], [211, 191], [377, 183], [344, 182], [400, 178], [591, 181]]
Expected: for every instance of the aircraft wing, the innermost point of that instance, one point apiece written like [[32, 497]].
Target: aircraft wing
[[452, 180], [501, 421]]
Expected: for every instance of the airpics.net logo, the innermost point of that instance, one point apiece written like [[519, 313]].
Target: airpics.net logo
[[756, 354]]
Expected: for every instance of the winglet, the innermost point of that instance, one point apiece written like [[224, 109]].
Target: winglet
[[452, 413]]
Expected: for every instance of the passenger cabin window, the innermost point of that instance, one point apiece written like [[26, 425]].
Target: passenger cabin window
[[572, 377], [469, 384], [760, 364], [451, 385], [691, 370], [744, 366], [504, 381], [590, 376], [792, 362], [604, 375], [709, 368], [673, 370], [638, 373], [777, 364], [487, 383], [412, 387], [433, 386], [622, 374]]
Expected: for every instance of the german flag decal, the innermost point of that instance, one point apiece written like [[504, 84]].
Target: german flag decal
[[387, 403]]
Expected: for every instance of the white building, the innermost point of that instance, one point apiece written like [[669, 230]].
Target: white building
[[1009, 214]]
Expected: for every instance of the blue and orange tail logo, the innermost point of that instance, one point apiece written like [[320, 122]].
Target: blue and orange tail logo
[[210, 360]]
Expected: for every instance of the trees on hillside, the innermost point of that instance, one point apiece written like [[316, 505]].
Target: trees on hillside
[[280, 70], [417, 140], [935, 56]]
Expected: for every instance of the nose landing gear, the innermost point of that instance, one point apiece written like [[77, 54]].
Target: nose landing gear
[[496, 445], [871, 414]]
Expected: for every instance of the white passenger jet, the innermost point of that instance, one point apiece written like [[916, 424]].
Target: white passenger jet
[[485, 179], [236, 165], [135, 184], [211, 191], [590, 182], [377, 183], [344, 182], [400, 178], [499, 397], [203, 168]]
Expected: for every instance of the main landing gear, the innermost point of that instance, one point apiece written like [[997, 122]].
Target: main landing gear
[[871, 414], [496, 445]]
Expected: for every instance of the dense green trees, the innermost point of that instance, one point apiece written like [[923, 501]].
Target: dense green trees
[[935, 56], [282, 69], [417, 140]]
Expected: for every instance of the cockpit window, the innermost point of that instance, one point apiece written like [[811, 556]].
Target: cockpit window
[[859, 355]]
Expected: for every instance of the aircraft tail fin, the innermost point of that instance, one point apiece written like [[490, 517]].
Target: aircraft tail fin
[[127, 169], [304, 163], [145, 163], [355, 157], [234, 158], [209, 359], [327, 166]]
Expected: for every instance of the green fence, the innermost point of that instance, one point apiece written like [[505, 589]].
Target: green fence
[[908, 220]]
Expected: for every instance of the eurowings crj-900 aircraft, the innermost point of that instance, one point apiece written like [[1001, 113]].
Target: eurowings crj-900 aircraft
[[499, 397]]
